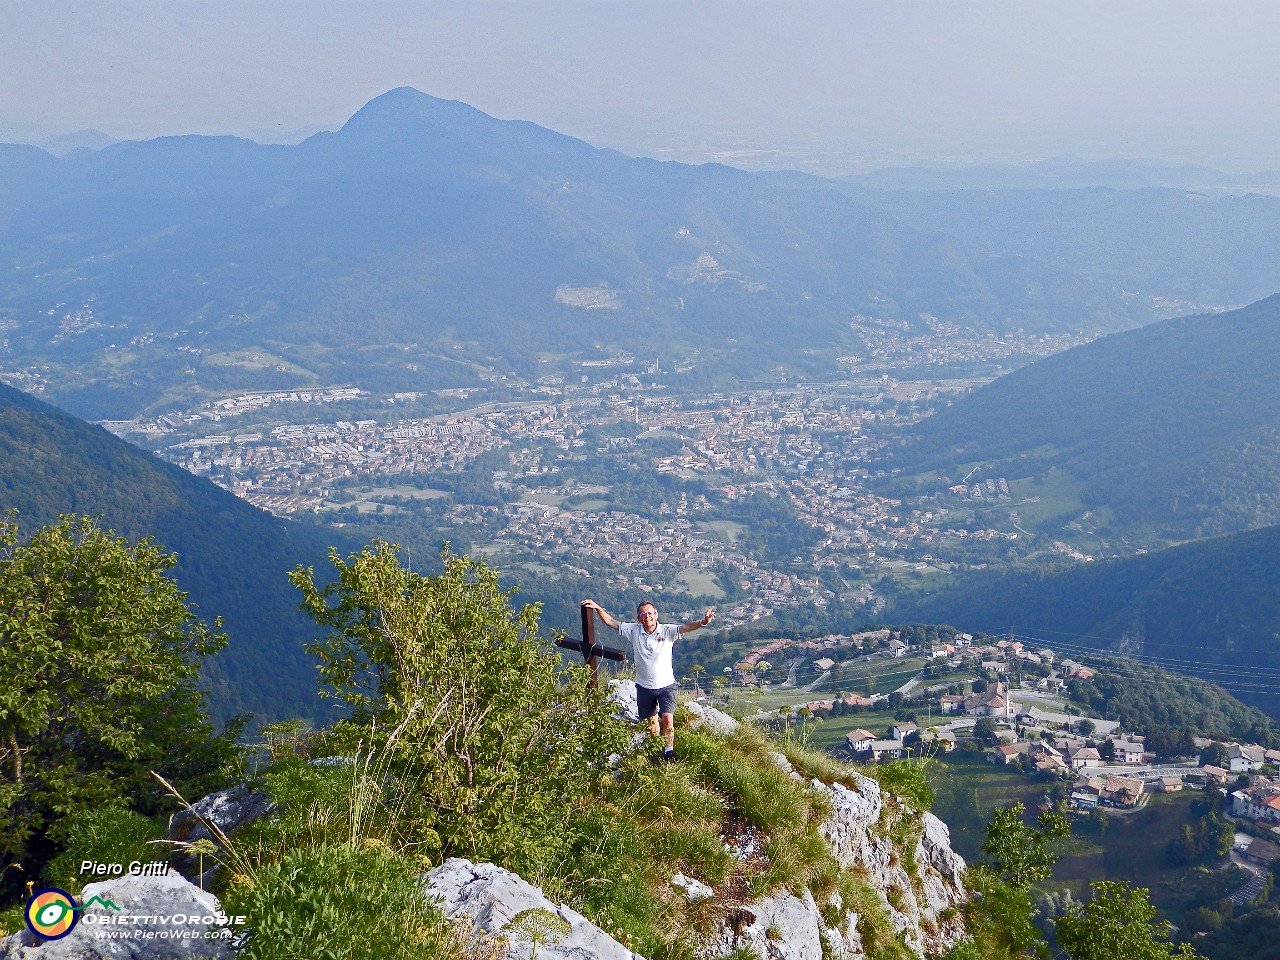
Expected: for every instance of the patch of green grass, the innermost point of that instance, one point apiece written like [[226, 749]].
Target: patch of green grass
[[362, 904], [698, 583], [1059, 500], [968, 789], [730, 531], [592, 506], [830, 731], [659, 820], [1132, 849]]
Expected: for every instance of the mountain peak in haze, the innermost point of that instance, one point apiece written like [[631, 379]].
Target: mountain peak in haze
[[407, 105], [405, 116]]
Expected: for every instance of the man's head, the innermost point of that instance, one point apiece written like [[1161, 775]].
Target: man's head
[[647, 614]]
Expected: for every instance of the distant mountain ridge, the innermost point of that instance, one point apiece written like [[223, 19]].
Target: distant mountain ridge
[[232, 557], [425, 241], [1172, 429]]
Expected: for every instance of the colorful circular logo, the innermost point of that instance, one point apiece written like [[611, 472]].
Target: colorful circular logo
[[51, 913]]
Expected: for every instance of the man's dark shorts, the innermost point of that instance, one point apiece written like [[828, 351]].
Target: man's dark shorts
[[649, 702]]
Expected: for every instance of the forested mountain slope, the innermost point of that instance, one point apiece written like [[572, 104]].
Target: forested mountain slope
[[232, 557], [1170, 431]]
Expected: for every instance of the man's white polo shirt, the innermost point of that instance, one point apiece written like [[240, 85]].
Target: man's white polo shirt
[[652, 653]]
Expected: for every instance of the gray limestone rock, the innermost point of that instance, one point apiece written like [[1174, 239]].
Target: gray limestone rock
[[714, 720], [491, 898], [228, 810], [159, 918], [694, 889], [623, 693], [781, 926], [783, 764], [857, 832]]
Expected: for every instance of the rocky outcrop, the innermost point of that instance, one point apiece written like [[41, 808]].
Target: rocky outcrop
[[781, 926], [496, 902], [158, 918], [917, 885], [623, 694]]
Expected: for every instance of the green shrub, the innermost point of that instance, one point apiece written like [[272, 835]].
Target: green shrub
[[104, 835], [491, 735], [908, 780]]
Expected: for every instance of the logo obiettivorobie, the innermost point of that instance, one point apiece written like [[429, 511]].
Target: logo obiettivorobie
[[52, 913]]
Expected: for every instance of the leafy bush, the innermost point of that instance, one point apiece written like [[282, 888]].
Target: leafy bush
[[104, 835], [99, 657], [492, 732]]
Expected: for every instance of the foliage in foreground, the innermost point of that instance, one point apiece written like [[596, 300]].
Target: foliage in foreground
[[469, 737], [487, 733], [1119, 920], [99, 657]]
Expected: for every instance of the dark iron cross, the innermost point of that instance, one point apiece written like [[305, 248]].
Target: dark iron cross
[[587, 646]]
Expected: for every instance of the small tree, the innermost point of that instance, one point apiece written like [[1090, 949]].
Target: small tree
[[1017, 853], [1119, 921], [99, 657], [696, 670], [984, 729], [498, 736]]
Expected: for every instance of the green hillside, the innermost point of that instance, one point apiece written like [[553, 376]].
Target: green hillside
[[232, 558], [1170, 430], [1210, 608]]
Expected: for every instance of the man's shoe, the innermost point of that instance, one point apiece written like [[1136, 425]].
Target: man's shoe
[[667, 756]]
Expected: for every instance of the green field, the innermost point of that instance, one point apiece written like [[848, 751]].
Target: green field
[[408, 492], [1132, 849], [591, 506], [255, 358], [729, 531], [698, 583], [968, 789], [865, 677], [829, 732]]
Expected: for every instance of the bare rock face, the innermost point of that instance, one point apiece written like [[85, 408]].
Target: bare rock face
[[623, 693], [159, 918], [228, 810], [780, 926], [917, 892], [499, 903], [717, 721]]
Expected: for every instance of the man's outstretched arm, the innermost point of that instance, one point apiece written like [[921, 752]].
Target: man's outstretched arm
[[695, 624], [601, 613]]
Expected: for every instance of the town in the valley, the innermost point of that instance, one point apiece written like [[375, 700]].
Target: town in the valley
[[554, 459]]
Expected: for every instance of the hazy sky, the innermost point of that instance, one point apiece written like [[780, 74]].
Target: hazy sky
[[797, 83]]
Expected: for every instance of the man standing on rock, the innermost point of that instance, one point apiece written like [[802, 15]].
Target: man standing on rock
[[651, 645]]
